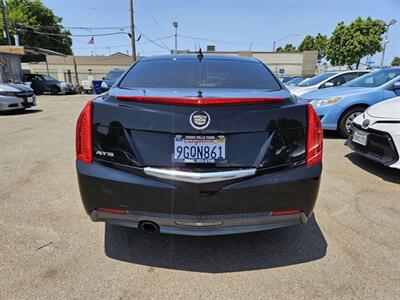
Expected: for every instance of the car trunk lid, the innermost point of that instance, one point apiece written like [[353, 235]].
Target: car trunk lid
[[266, 134]]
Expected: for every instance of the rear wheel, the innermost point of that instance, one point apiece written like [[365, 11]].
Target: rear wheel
[[347, 120]]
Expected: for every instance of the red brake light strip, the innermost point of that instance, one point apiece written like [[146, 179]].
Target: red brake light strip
[[192, 101]]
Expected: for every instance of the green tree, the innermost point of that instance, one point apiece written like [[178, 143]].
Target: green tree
[[348, 44], [317, 43], [308, 44], [37, 26], [321, 43], [287, 48], [396, 61]]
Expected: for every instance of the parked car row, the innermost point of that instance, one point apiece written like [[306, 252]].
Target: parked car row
[[46, 84], [22, 95], [339, 97], [325, 80], [355, 103]]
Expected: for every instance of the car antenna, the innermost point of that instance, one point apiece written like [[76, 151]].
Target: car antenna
[[200, 55]]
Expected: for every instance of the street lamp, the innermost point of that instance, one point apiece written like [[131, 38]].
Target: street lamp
[[385, 40], [290, 35], [176, 36]]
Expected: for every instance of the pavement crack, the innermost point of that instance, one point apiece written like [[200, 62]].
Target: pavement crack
[[45, 245]]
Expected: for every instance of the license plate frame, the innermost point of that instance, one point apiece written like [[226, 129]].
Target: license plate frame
[[193, 149], [360, 137]]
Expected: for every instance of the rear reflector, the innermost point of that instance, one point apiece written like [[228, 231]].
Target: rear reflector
[[84, 135], [191, 101], [113, 210], [314, 137], [286, 212]]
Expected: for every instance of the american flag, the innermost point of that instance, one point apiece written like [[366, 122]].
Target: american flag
[[91, 41]]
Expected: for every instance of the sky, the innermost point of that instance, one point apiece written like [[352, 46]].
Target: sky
[[227, 24]]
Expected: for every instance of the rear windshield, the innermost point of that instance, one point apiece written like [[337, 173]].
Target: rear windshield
[[192, 73]]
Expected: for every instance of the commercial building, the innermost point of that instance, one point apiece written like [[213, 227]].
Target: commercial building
[[87, 67], [12, 57]]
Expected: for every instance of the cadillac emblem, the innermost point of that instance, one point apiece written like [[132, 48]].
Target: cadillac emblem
[[199, 120]]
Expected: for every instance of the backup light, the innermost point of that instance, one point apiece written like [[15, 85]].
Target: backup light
[[314, 137], [84, 135]]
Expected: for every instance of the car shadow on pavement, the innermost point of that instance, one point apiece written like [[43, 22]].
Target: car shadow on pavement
[[20, 112], [331, 135], [217, 254], [386, 173]]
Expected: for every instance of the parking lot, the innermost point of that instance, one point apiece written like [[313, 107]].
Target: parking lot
[[50, 249]]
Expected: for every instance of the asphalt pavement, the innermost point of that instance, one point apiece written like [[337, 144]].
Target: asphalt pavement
[[49, 248]]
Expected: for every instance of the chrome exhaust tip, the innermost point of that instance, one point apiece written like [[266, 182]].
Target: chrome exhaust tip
[[149, 227]]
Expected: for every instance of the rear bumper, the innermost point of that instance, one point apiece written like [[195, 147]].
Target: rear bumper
[[242, 205], [202, 226]]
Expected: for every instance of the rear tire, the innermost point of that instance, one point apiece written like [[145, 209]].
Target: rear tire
[[347, 119]]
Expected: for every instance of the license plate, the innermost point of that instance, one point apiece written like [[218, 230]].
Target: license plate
[[199, 149], [30, 100], [360, 137]]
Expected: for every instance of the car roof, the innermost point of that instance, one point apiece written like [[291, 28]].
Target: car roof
[[206, 56], [353, 71]]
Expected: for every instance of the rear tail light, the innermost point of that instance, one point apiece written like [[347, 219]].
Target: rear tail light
[[113, 210], [192, 101], [286, 212], [84, 135], [314, 137]]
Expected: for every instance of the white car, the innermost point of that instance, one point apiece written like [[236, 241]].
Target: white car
[[325, 80], [16, 96], [376, 133]]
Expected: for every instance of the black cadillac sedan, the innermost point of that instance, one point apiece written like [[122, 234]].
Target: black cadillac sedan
[[199, 145]]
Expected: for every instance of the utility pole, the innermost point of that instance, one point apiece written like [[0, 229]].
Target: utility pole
[[386, 39], [5, 21], [76, 71], [132, 32], [176, 36]]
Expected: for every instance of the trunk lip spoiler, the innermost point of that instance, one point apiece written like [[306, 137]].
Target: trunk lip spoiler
[[198, 177], [195, 101]]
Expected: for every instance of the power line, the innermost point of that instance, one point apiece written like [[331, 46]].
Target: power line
[[140, 18], [73, 27], [73, 35], [65, 35], [126, 45], [152, 16]]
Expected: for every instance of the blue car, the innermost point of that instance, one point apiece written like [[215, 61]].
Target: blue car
[[110, 79], [337, 107]]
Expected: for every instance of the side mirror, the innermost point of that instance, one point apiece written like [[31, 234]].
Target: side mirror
[[396, 86], [328, 84]]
